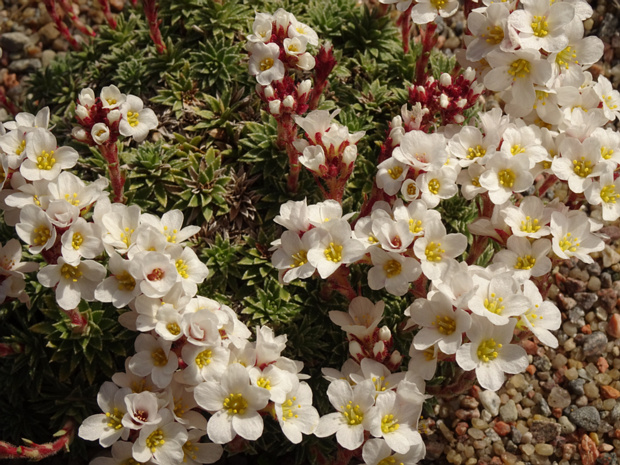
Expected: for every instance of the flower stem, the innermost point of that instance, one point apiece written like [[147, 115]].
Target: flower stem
[[404, 21], [37, 452], [105, 6], [110, 153], [60, 25], [150, 11], [85, 29], [429, 39]]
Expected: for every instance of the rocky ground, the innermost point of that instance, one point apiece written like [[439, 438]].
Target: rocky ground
[[565, 409]]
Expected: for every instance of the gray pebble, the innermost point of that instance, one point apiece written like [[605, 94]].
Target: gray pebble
[[14, 41], [508, 412], [492, 435], [614, 415], [516, 435], [25, 65], [587, 418], [576, 315], [575, 387], [586, 300], [593, 269], [542, 363], [558, 398], [566, 425], [511, 447], [608, 458], [606, 281], [544, 408], [544, 431], [594, 344], [490, 401]]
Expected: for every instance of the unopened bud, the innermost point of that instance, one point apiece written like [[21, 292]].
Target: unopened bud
[[461, 103], [349, 154], [79, 134], [289, 101], [421, 90], [469, 74], [304, 87], [444, 101], [445, 79], [274, 107], [268, 91], [86, 97], [378, 348], [385, 334], [477, 88], [430, 80], [397, 121], [82, 112], [396, 358], [355, 349], [114, 116], [100, 133], [459, 119]]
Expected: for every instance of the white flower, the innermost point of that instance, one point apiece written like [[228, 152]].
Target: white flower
[[265, 63], [235, 403], [378, 452], [525, 258], [505, 176], [579, 163], [153, 357], [191, 271], [111, 97], [204, 362], [498, 299], [490, 353], [45, 159], [416, 214], [541, 318], [74, 191], [392, 271], [100, 133], [609, 96], [351, 419], [523, 142], [73, 282], [605, 192], [422, 151], [437, 185], [291, 258], [118, 225], [121, 287], [362, 318], [294, 216], [35, 229], [196, 452], [157, 272], [489, 31], [162, 442], [423, 362], [261, 28], [301, 30], [390, 175], [136, 120], [437, 249], [572, 237], [268, 346], [333, 247], [82, 239], [141, 409], [171, 226], [529, 219], [441, 323], [393, 236], [295, 414], [409, 190], [107, 427], [426, 11], [313, 158]]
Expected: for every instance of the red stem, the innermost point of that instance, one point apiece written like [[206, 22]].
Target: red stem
[[110, 153], [150, 10], [37, 452], [429, 39], [60, 25], [287, 132], [67, 6], [404, 21], [547, 184], [10, 349], [105, 6]]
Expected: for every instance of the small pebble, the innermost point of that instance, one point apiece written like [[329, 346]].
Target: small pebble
[[591, 390], [581, 401], [566, 426], [502, 428], [508, 412], [559, 397], [613, 328], [544, 431], [571, 374], [544, 449], [609, 393], [587, 418], [594, 284], [469, 402], [490, 401], [527, 449]]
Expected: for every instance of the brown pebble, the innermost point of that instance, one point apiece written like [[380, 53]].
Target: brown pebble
[[529, 346], [468, 402], [496, 461], [613, 328], [608, 392], [602, 364], [461, 428], [557, 412], [585, 329], [462, 414], [502, 428], [588, 450], [531, 369]]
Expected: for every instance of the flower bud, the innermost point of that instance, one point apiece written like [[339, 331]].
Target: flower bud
[[268, 91], [430, 80], [378, 348], [469, 74], [384, 333], [395, 359], [289, 101], [114, 116], [444, 101], [100, 133], [82, 112], [79, 134], [274, 107], [421, 90], [409, 190], [459, 119], [304, 87], [86, 97], [445, 79], [355, 349], [461, 103], [349, 154]]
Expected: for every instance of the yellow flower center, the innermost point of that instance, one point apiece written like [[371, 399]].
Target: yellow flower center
[[607, 99], [531, 317], [608, 193], [519, 68], [412, 190], [429, 353], [476, 152], [389, 424], [433, 186], [114, 419], [42, 234], [434, 251], [352, 414], [159, 357], [378, 382], [189, 451], [70, 272], [438, 4], [487, 350], [287, 409], [388, 461], [565, 57], [235, 404], [530, 225], [526, 262], [171, 237], [494, 305], [77, 240], [395, 172], [182, 268], [126, 282], [475, 181], [415, 226], [445, 325], [392, 268], [266, 64], [300, 259], [606, 153], [173, 328], [21, 147], [516, 149], [540, 26], [132, 118], [507, 177], [582, 167], [494, 35], [203, 358], [126, 236], [264, 383], [333, 252], [73, 200], [569, 243], [46, 160], [155, 439]]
